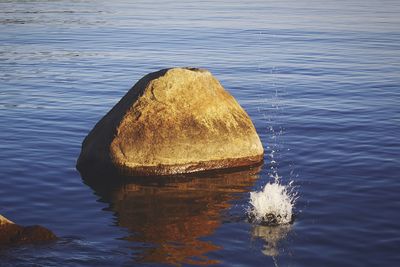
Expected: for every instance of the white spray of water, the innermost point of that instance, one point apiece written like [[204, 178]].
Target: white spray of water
[[273, 204]]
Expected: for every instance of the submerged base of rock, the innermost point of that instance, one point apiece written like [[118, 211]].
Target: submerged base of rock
[[14, 234], [198, 168]]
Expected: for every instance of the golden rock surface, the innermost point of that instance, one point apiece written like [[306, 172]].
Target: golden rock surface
[[4, 220], [173, 121]]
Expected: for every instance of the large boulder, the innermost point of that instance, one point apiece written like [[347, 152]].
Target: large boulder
[[173, 121], [14, 234]]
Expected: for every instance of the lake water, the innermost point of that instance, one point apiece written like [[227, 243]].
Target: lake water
[[320, 80]]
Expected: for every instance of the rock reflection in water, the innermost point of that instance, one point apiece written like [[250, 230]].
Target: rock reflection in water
[[168, 217], [271, 235]]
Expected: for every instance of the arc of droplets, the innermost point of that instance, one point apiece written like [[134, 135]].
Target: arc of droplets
[[274, 203]]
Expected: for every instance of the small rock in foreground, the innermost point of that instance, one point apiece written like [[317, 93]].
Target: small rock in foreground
[[14, 234]]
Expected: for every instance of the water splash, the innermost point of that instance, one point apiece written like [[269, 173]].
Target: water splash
[[273, 205]]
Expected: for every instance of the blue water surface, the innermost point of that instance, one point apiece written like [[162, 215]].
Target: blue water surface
[[320, 80]]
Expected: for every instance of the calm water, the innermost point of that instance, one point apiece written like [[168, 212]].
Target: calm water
[[321, 82]]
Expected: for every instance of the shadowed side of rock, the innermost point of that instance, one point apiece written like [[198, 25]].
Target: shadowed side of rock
[[95, 151], [14, 234], [173, 121]]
